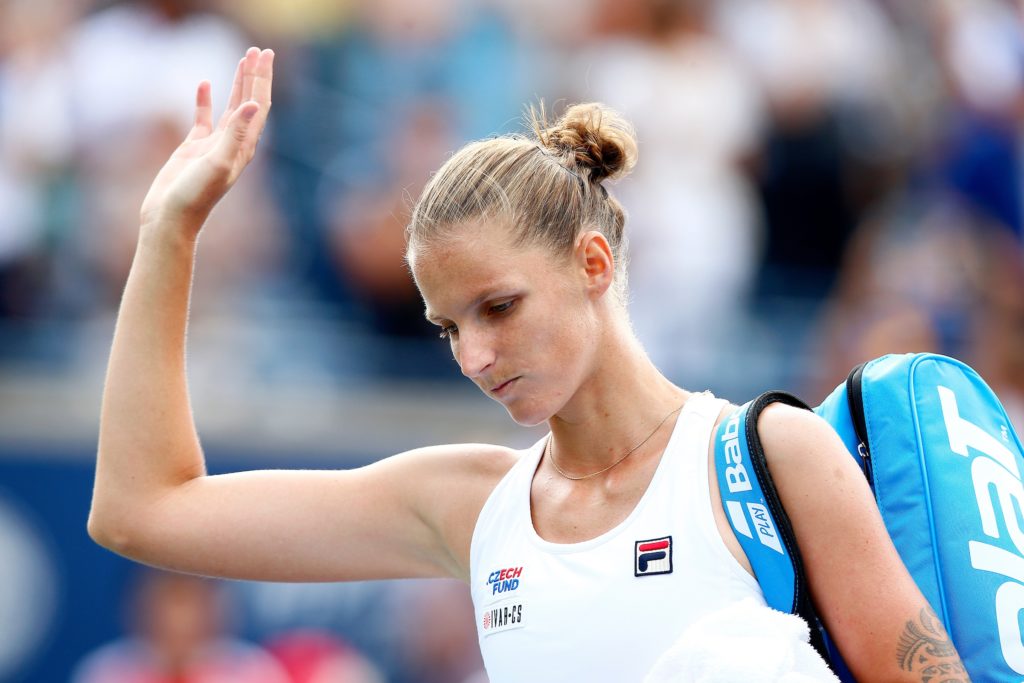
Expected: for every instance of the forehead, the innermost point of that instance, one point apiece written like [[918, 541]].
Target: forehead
[[472, 263]]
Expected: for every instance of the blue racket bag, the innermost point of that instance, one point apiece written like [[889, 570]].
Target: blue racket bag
[[946, 469]]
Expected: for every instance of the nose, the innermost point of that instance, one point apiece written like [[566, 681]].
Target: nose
[[474, 353]]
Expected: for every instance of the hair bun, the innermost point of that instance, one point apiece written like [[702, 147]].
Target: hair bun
[[591, 137]]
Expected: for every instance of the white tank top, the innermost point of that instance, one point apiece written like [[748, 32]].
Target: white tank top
[[603, 609]]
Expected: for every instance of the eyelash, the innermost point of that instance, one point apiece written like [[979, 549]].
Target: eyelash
[[503, 307], [448, 330]]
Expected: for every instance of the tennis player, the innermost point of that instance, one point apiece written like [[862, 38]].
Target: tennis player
[[586, 554]]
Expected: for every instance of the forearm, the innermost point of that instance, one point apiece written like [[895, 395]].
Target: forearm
[[147, 440], [148, 448], [926, 651]]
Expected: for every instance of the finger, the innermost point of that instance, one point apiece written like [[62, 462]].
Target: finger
[[239, 135], [235, 98], [263, 80], [262, 84], [252, 57], [203, 122]]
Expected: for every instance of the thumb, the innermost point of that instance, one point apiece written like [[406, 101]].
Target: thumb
[[238, 129], [244, 116]]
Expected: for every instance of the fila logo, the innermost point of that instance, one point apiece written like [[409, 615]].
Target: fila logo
[[653, 557]]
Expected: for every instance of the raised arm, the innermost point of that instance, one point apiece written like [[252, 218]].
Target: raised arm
[[872, 608], [152, 499]]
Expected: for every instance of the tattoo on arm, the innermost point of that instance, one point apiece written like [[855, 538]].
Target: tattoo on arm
[[926, 648]]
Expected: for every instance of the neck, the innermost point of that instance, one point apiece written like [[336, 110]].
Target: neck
[[618, 405]]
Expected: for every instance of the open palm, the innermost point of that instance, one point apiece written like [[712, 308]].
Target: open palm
[[205, 166]]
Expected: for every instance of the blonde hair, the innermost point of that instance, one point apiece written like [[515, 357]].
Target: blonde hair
[[547, 187]]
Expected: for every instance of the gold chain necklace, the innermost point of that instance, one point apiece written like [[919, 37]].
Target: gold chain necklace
[[551, 450]]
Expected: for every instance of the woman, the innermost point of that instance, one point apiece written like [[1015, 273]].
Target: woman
[[517, 251]]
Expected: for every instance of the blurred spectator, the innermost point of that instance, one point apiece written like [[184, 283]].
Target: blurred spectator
[[177, 625], [982, 44], [936, 269], [126, 127], [367, 213], [826, 67], [361, 614], [912, 281], [780, 140], [981, 48], [159, 51], [35, 146], [693, 222], [282, 22], [997, 337], [361, 120], [312, 656], [440, 644]]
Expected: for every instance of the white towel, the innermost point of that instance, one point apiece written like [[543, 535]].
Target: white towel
[[743, 643]]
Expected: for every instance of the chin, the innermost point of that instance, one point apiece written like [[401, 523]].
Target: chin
[[527, 415], [531, 421]]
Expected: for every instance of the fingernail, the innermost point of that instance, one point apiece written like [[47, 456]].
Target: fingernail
[[249, 112]]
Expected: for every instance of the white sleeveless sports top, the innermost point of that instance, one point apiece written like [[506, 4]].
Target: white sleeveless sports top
[[603, 609]]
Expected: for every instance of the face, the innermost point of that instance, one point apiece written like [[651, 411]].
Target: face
[[520, 320], [180, 613]]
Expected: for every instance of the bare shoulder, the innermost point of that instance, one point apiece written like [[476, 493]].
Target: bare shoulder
[[808, 462], [790, 434], [793, 436]]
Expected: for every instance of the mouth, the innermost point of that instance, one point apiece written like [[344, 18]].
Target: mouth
[[499, 389]]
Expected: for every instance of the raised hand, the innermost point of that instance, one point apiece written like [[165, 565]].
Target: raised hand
[[205, 166]]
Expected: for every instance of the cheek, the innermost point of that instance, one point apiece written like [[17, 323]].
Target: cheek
[[566, 341]]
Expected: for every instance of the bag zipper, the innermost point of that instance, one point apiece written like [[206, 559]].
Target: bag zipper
[[856, 400]]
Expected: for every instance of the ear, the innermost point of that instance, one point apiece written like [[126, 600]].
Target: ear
[[594, 256]]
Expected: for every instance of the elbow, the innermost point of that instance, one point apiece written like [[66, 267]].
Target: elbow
[[101, 532], [113, 536]]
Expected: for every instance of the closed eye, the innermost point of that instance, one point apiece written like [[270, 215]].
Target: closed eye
[[503, 307], [450, 330]]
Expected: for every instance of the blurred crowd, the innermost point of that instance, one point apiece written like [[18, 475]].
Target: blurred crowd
[[188, 629], [820, 182]]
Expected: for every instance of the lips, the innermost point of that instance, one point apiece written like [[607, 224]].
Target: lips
[[500, 388]]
